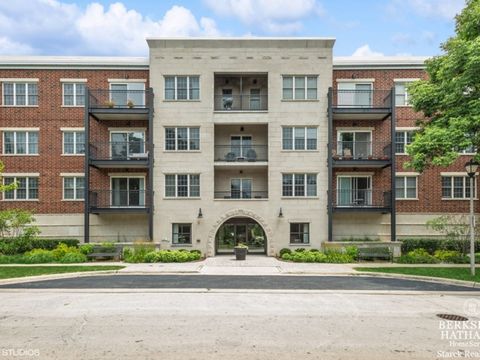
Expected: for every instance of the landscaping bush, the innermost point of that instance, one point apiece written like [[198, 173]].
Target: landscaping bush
[[20, 245], [314, 255], [136, 254], [73, 257], [432, 245], [451, 256], [108, 247], [300, 250], [417, 256], [352, 251], [337, 257], [11, 259], [167, 256], [364, 239], [86, 249], [285, 251], [39, 256]]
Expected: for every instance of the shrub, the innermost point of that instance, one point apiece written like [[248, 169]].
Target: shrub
[[136, 254], [167, 256], [73, 257], [337, 257], [314, 255], [354, 239], [352, 251], [300, 250], [284, 251], [86, 249], [20, 245], [432, 245], [17, 223], [12, 259], [453, 257], [287, 256], [39, 256], [195, 251], [417, 256]]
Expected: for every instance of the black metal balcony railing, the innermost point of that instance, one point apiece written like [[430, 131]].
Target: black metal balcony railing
[[111, 199], [119, 99], [119, 150], [241, 102], [362, 198], [241, 195], [237, 153], [365, 99], [362, 150]]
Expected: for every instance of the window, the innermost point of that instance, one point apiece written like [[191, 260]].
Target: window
[[355, 94], [300, 87], [299, 138], [356, 144], [406, 187], [20, 94], [299, 233], [131, 94], [73, 187], [299, 185], [182, 185], [128, 192], [402, 139], [354, 191], [27, 188], [126, 143], [73, 142], [182, 87], [181, 233], [241, 188], [20, 142], [401, 93], [457, 187], [182, 138], [73, 94]]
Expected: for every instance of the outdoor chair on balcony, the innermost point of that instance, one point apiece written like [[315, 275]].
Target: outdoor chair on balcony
[[230, 156], [227, 103], [251, 155]]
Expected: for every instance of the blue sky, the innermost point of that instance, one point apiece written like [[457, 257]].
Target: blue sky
[[104, 27]]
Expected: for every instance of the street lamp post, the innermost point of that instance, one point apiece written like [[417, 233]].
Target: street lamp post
[[471, 167]]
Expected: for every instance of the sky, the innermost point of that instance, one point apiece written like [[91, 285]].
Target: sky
[[119, 28]]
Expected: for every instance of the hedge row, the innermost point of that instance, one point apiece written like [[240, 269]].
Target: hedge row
[[432, 245], [15, 246]]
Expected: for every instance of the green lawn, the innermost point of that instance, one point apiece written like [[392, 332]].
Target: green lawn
[[7, 272], [457, 273]]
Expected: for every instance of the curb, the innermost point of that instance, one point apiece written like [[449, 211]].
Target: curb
[[24, 279]]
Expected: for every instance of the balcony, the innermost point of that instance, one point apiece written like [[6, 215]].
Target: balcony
[[361, 104], [241, 102], [119, 201], [241, 154], [119, 154], [365, 200], [240, 195], [362, 154], [120, 104]]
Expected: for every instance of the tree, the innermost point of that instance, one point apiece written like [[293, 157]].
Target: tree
[[450, 98], [4, 188]]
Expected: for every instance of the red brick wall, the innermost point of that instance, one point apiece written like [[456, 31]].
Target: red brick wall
[[50, 116]]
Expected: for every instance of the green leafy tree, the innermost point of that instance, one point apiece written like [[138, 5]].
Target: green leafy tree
[[450, 98], [4, 188]]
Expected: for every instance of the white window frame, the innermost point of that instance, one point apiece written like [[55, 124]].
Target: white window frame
[[464, 186], [127, 82], [305, 128], [176, 138], [305, 98], [347, 131], [27, 142], [176, 88], [27, 183], [305, 193], [405, 144], [75, 177], [405, 176], [75, 83], [176, 186], [75, 142], [15, 82], [404, 82], [132, 176], [351, 176]]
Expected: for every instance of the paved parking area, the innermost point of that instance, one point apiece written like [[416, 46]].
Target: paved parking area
[[238, 282]]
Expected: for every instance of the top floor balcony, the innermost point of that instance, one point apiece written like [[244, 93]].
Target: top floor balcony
[[360, 102], [241, 93], [120, 103]]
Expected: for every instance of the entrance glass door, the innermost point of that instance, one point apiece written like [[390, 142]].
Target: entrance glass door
[[240, 231], [124, 144], [354, 191], [239, 145], [357, 144], [128, 192]]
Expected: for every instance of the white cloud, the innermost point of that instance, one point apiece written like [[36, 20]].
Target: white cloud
[[272, 16], [51, 26], [445, 9], [365, 51], [9, 47]]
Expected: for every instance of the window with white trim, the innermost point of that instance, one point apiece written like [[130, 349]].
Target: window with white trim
[[20, 142], [299, 233], [406, 187], [73, 187], [73, 94], [181, 234], [299, 138], [20, 94], [457, 187], [300, 87], [402, 139], [182, 138], [401, 93], [299, 185], [27, 188], [182, 185], [182, 87], [73, 142]]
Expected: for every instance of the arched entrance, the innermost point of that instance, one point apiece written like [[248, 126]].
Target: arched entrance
[[238, 230]]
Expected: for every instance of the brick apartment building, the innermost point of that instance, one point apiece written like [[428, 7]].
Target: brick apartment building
[[211, 142]]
